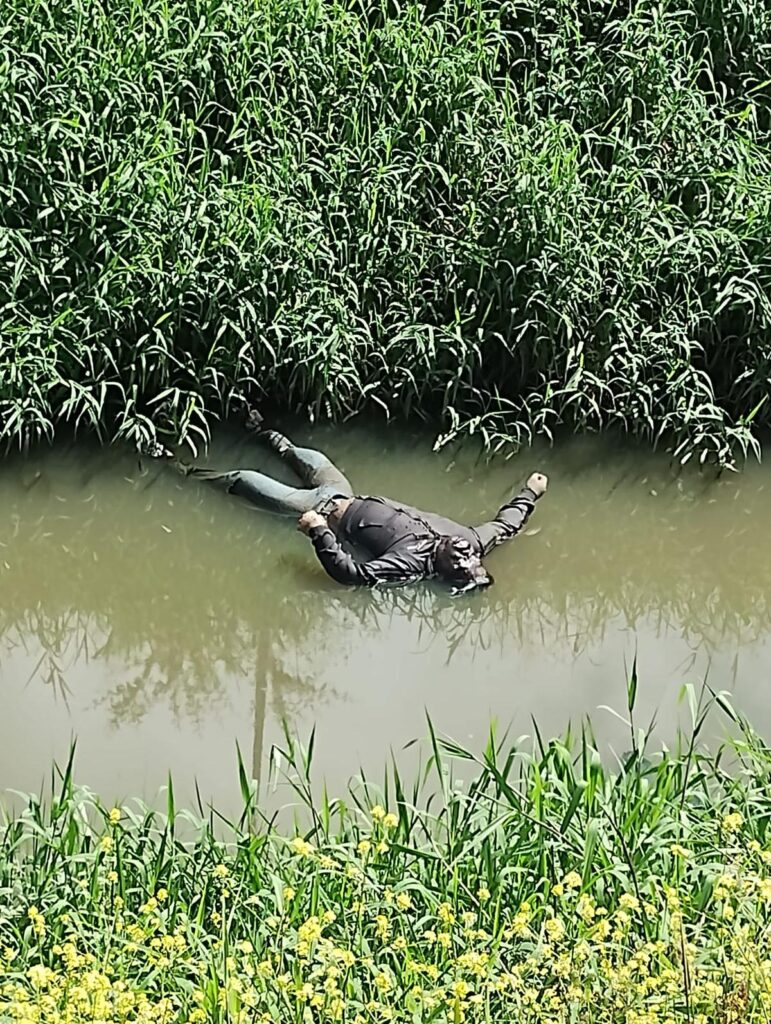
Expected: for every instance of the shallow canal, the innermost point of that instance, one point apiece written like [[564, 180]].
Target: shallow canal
[[161, 622]]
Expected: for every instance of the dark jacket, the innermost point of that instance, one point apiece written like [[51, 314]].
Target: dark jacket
[[397, 542]]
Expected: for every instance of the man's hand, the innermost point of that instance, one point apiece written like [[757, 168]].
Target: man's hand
[[537, 483], [308, 520]]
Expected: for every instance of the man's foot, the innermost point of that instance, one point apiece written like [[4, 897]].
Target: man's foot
[[255, 424], [277, 441], [254, 421], [155, 450]]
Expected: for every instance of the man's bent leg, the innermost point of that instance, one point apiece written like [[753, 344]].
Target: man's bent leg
[[264, 491], [313, 467]]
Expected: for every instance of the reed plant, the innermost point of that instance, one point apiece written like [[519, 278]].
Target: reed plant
[[554, 884], [506, 218]]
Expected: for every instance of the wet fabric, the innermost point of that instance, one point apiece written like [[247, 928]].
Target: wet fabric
[[397, 541]]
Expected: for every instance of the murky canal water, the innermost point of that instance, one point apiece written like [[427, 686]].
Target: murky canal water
[[160, 621]]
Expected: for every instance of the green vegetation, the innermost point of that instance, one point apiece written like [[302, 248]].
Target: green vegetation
[[502, 217], [551, 887]]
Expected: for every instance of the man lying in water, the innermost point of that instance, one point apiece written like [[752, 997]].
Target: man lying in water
[[398, 544]]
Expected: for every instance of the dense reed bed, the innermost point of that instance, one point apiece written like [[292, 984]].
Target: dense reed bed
[[555, 886], [503, 217]]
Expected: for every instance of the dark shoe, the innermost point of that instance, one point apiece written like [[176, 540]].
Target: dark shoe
[[155, 450], [278, 442], [254, 421]]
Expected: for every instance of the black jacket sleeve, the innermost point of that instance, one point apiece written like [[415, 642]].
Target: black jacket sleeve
[[508, 521], [397, 566]]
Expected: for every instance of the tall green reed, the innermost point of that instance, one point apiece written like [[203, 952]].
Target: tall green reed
[[505, 218]]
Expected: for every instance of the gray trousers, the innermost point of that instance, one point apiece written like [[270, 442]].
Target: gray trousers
[[319, 478]]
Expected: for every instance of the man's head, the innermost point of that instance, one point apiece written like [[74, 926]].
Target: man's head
[[457, 562]]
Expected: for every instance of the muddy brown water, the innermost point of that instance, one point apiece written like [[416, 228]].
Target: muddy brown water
[[161, 622]]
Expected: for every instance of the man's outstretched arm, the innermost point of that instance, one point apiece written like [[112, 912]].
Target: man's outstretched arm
[[512, 516], [399, 567]]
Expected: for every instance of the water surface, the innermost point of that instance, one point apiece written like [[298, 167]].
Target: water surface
[[161, 622]]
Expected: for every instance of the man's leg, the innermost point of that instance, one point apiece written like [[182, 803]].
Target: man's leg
[[313, 467], [263, 490]]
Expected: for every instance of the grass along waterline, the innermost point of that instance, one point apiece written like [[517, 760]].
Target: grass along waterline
[[552, 887], [501, 217]]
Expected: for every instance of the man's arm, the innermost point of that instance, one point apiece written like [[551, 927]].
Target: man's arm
[[512, 516], [397, 567]]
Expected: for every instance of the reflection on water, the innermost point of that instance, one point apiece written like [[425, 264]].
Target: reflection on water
[[162, 622]]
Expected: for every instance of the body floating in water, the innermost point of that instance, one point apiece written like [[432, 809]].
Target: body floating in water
[[394, 543]]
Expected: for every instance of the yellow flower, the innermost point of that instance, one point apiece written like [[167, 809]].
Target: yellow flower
[[732, 822], [403, 901], [112, 876], [521, 923], [723, 886], [106, 844], [301, 847], [289, 893], [629, 902], [39, 975], [483, 894], [378, 813], [555, 929], [114, 816], [382, 926], [162, 895], [310, 930], [329, 916], [390, 821], [585, 908], [679, 851], [558, 889], [445, 914], [364, 847], [460, 989], [572, 880], [383, 982], [37, 920], [474, 963], [220, 871]]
